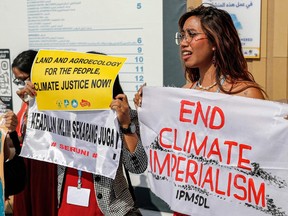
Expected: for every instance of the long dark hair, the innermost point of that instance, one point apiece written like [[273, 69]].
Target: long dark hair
[[218, 25], [24, 61]]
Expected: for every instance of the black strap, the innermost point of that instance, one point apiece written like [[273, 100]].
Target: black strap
[[14, 170], [14, 175], [14, 137], [131, 189]]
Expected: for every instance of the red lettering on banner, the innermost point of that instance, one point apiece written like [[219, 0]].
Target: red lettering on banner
[[197, 149], [216, 151], [174, 162], [200, 174], [242, 160], [229, 184], [179, 172], [230, 144], [184, 111], [252, 193], [203, 148], [186, 115], [217, 190], [167, 145], [201, 160], [199, 111], [74, 149], [216, 110], [166, 164], [191, 174], [208, 179], [240, 186]]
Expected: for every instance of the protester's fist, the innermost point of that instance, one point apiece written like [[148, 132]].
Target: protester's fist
[[138, 97], [26, 91], [11, 120], [121, 106]]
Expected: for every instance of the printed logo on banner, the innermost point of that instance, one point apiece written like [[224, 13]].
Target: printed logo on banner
[[59, 103], [84, 103], [74, 103], [66, 103]]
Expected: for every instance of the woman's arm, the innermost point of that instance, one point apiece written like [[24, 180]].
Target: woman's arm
[[133, 153]]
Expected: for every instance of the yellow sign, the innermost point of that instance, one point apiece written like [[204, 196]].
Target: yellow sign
[[72, 81]]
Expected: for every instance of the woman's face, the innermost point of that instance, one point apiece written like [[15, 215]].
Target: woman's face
[[196, 50], [19, 76]]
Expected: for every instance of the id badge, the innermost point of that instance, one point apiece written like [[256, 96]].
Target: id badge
[[78, 196]]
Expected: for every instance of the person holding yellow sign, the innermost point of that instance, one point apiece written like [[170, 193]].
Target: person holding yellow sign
[[41, 176], [102, 195]]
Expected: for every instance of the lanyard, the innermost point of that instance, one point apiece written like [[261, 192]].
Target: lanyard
[[79, 179]]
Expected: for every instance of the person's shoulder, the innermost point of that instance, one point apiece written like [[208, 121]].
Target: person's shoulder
[[188, 85], [251, 90]]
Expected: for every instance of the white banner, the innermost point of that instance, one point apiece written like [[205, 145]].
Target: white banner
[[216, 154], [88, 141]]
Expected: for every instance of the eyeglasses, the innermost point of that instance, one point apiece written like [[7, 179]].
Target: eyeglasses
[[19, 82], [188, 35]]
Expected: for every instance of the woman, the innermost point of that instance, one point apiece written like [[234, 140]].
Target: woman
[[41, 176], [110, 197], [211, 51], [212, 55]]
